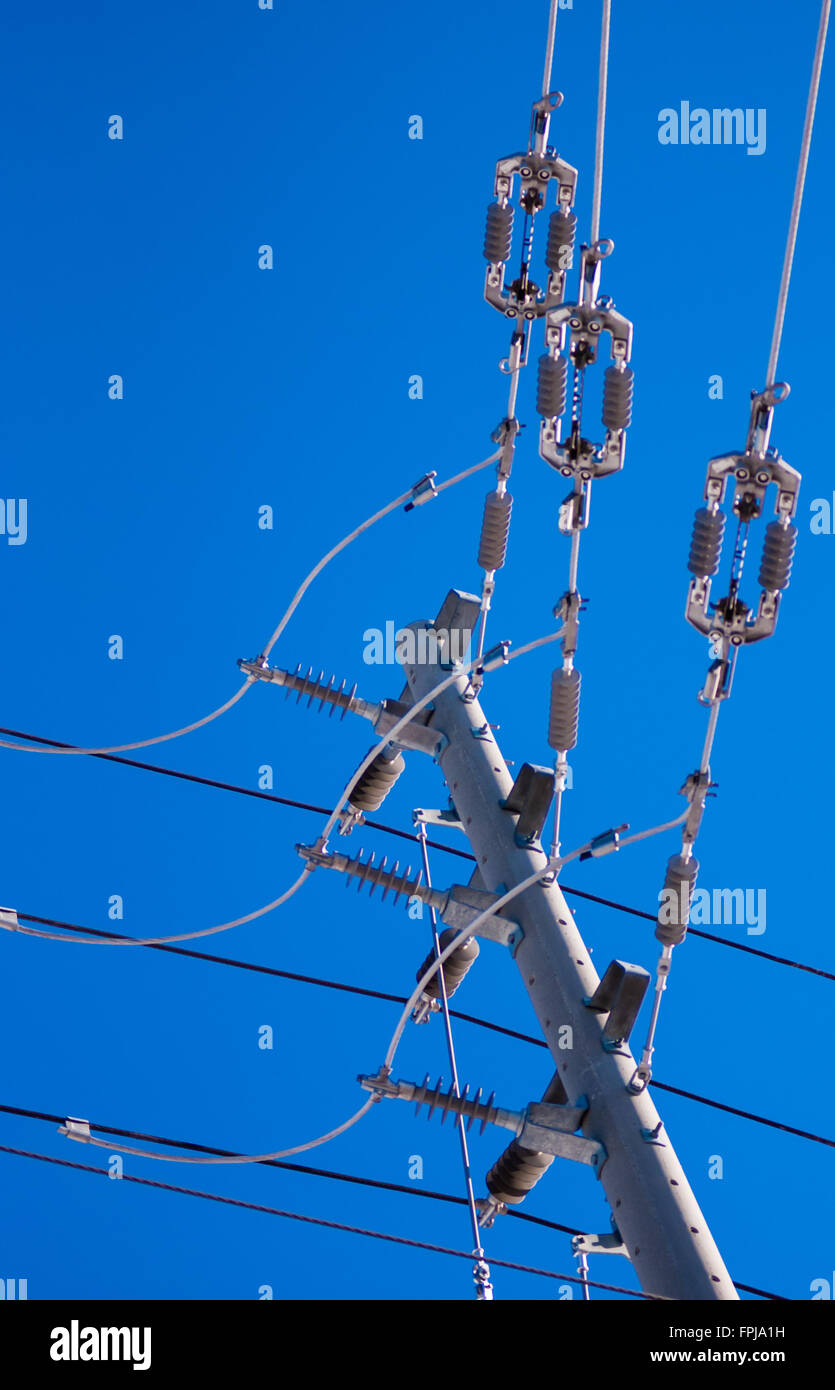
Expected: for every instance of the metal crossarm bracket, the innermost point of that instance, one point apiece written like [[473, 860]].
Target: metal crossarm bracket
[[541, 1128], [610, 1243], [530, 798], [549, 1129], [465, 904], [416, 735], [8, 918], [448, 817], [620, 994]]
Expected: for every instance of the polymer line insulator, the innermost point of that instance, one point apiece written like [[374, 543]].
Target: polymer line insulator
[[498, 233], [495, 525], [449, 1103], [454, 967], [564, 715], [377, 781], [516, 1172], [706, 542], [562, 230], [551, 386], [778, 553], [391, 880], [617, 398], [674, 908]]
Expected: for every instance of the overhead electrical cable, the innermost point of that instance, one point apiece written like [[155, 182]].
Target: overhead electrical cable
[[320, 1221], [488, 663], [427, 1194], [70, 749], [403, 835]]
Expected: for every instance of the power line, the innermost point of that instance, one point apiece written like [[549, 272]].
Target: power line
[[320, 1221], [454, 1013], [705, 935], [403, 835], [800, 180], [379, 1183], [499, 657], [405, 497], [601, 120], [281, 1163], [746, 1114], [241, 791]]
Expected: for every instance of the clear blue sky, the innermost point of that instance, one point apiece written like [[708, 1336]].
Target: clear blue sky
[[245, 387]]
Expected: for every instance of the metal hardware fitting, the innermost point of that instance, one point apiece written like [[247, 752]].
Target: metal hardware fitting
[[540, 1127], [620, 994], [76, 1129]]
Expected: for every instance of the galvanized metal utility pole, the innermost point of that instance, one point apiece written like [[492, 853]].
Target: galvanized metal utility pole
[[653, 1207]]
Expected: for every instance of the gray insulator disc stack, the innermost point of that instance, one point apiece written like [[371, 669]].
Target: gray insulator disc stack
[[617, 398], [498, 233], [376, 782], [778, 553], [564, 715], [551, 386], [562, 230], [495, 526], [516, 1172], [674, 908], [454, 967], [706, 542]]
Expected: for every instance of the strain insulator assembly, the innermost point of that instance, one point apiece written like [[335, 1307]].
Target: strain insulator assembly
[[778, 554], [730, 620], [495, 528], [538, 169], [617, 397], [676, 895], [574, 331], [564, 714], [378, 779], [706, 544], [551, 386], [454, 968]]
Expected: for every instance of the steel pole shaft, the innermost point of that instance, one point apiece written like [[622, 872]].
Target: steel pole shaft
[[664, 1231]]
